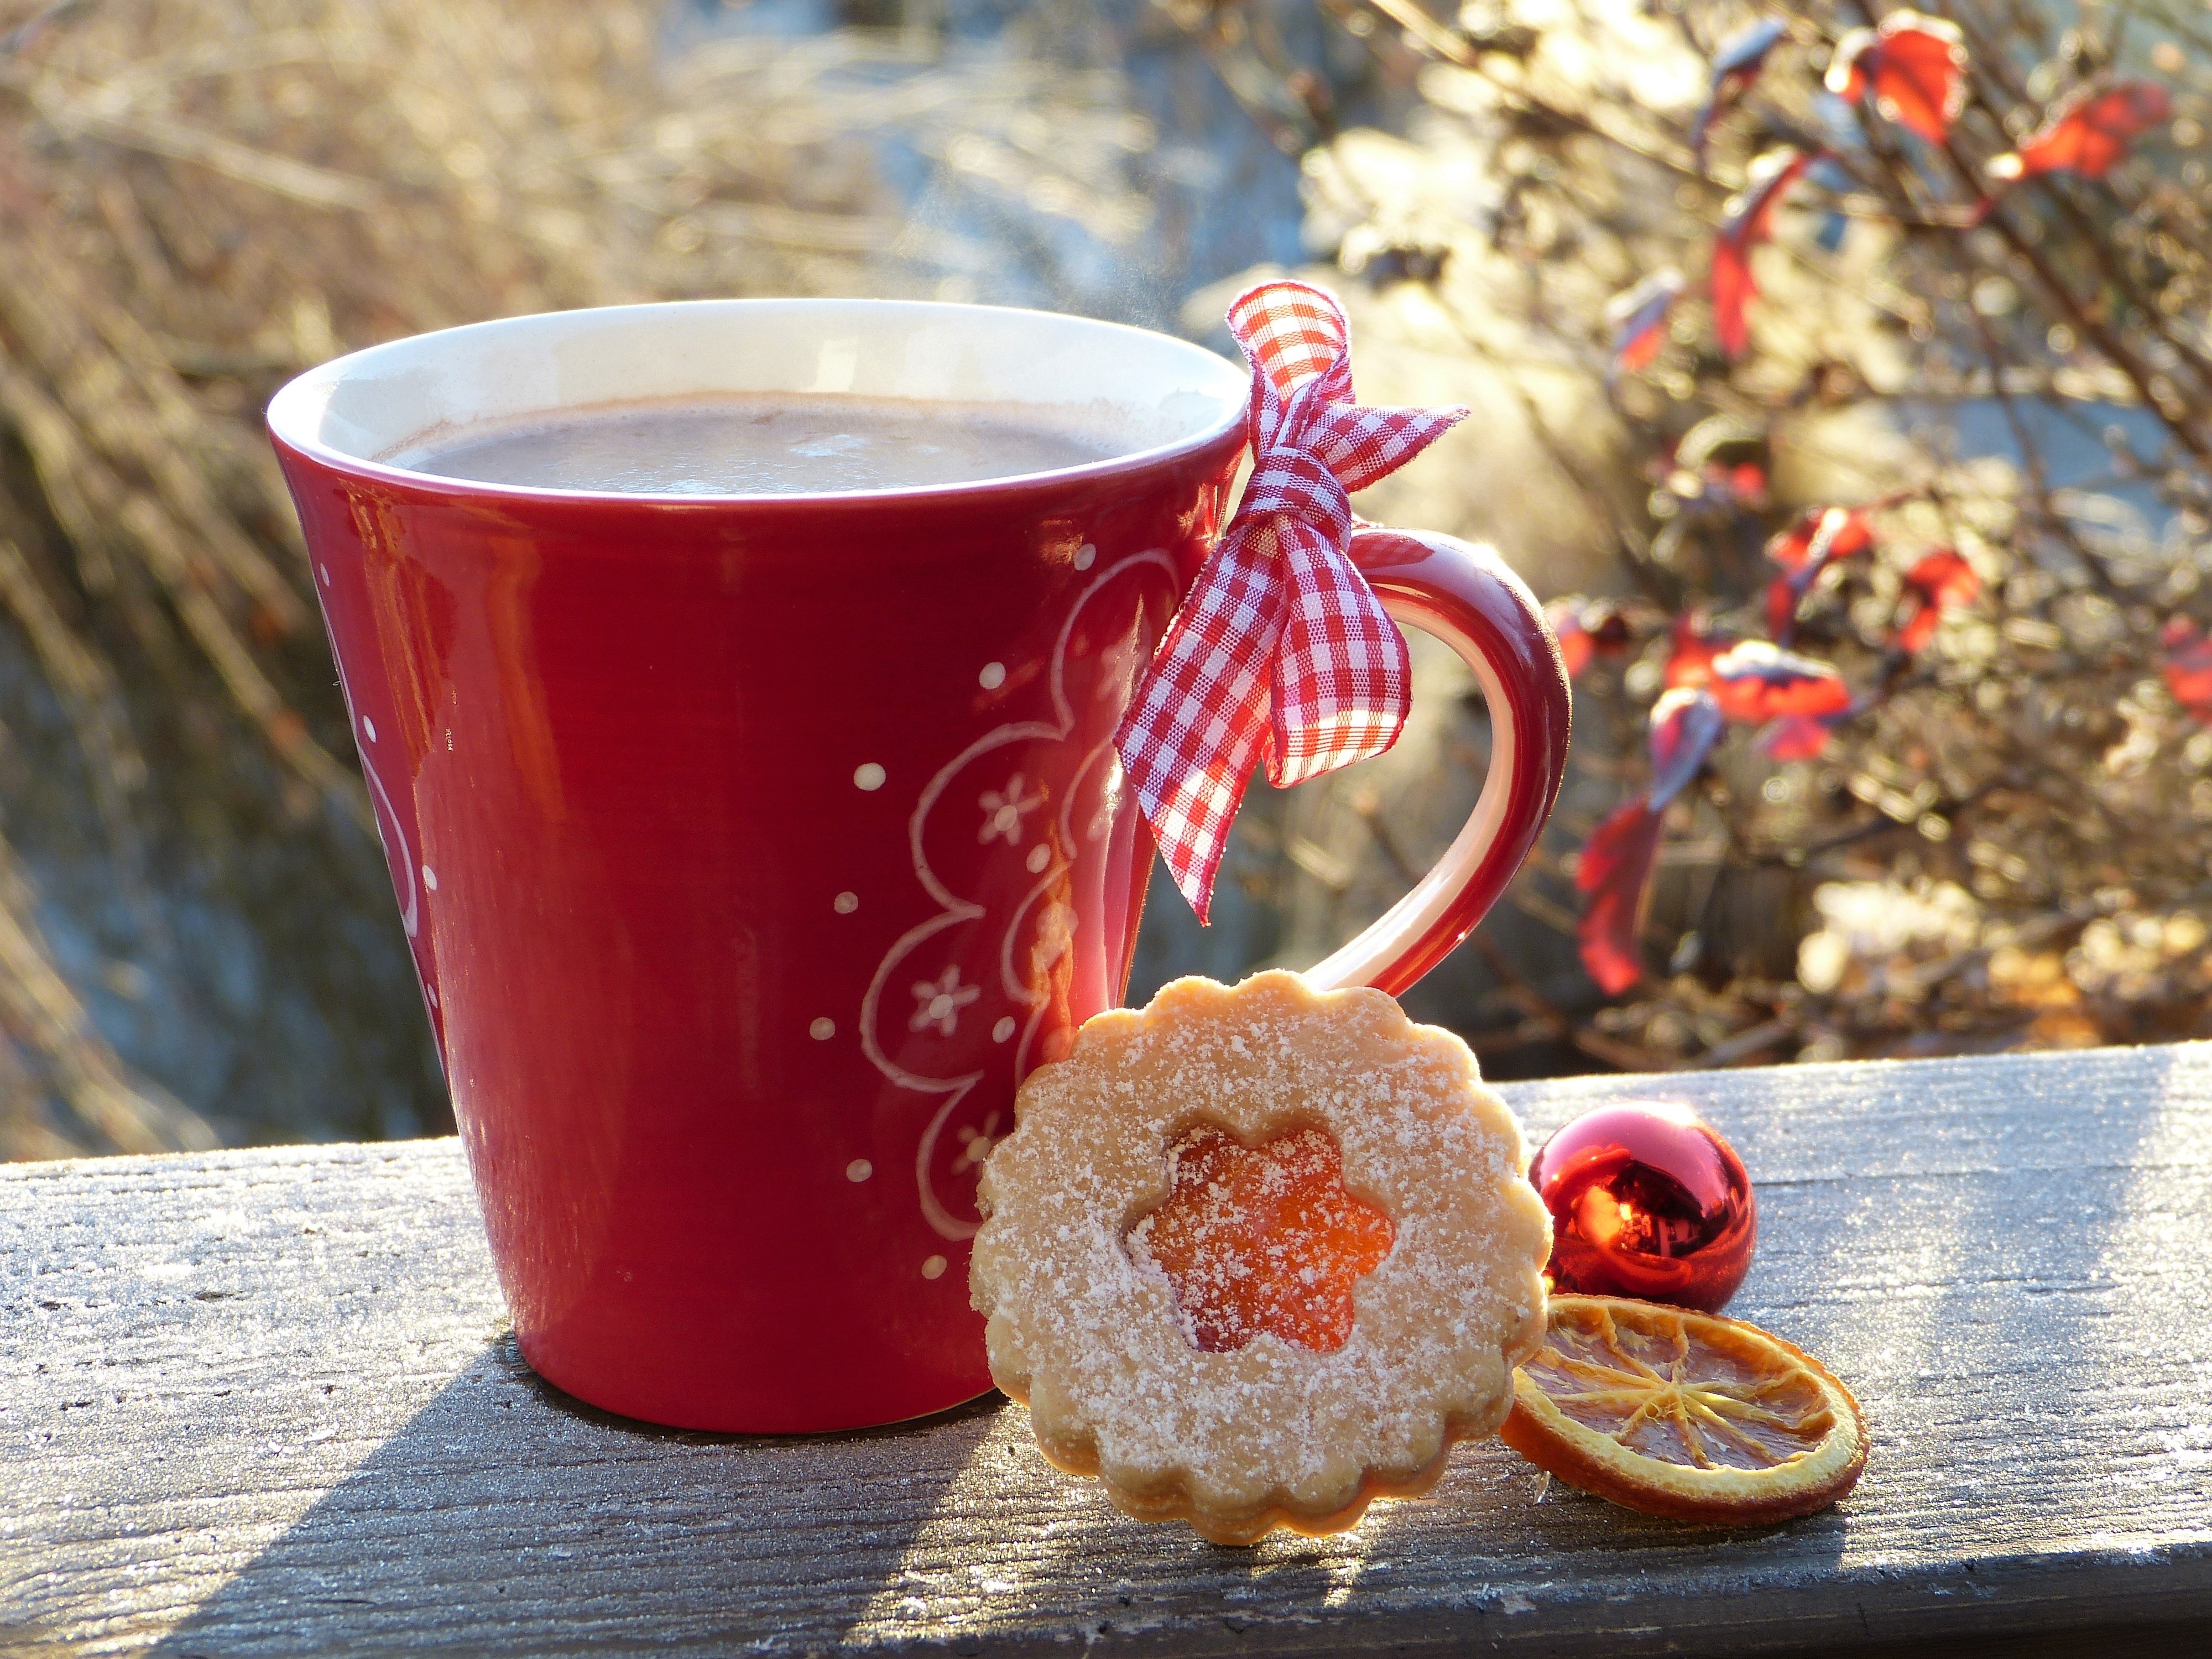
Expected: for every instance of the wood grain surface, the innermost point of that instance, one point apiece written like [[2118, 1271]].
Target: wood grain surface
[[264, 1402]]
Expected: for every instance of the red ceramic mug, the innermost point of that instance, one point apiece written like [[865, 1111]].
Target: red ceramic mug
[[752, 849]]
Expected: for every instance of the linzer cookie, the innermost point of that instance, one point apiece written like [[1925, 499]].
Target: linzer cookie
[[1256, 1256]]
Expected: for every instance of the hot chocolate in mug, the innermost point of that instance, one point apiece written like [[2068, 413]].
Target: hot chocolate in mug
[[752, 849]]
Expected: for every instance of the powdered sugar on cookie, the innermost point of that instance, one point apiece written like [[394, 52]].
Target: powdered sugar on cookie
[[1084, 1321]]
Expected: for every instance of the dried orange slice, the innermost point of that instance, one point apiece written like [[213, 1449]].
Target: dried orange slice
[[1684, 1414]]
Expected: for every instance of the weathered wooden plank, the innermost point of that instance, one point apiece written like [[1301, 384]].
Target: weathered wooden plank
[[264, 1402]]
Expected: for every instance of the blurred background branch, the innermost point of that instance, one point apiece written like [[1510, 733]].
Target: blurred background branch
[[1996, 837]]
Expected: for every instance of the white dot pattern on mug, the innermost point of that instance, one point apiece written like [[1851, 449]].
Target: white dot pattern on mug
[[920, 1042], [369, 726], [934, 1267], [845, 903], [992, 677], [1085, 556], [859, 1170], [823, 1028], [429, 878], [868, 775]]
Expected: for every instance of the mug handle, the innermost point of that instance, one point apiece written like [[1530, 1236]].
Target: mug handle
[[1471, 599]]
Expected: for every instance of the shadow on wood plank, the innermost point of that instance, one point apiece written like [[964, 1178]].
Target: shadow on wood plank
[[506, 1515]]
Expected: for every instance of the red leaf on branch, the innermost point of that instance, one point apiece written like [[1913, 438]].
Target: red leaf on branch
[[2187, 666], [1783, 596], [1937, 582], [1747, 221], [1746, 483], [1754, 682], [1821, 534], [1586, 630], [2089, 133], [1721, 462], [1615, 867], [1614, 871], [1820, 537], [1638, 319], [1576, 646], [1914, 67], [1735, 67], [1690, 662], [1684, 726], [1796, 737]]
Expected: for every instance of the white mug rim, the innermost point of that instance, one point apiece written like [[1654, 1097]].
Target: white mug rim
[[295, 414]]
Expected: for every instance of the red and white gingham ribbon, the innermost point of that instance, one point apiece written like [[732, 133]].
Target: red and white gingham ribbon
[[1281, 651]]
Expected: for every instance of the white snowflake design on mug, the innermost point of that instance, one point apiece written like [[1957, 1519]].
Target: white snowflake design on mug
[[966, 1002]]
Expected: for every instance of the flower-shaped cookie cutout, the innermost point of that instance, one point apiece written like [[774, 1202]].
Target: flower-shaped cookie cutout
[[1084, 1323]]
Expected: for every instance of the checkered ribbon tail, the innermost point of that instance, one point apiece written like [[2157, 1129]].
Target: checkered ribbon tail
[[1281, 652]]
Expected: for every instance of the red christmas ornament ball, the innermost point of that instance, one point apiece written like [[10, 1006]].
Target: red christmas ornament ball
[[1647, 1200]]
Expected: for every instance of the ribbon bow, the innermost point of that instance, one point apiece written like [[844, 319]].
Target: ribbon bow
[[1281, 651]]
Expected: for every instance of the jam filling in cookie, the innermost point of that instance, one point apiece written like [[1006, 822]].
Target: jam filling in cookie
[[1262, 1238]]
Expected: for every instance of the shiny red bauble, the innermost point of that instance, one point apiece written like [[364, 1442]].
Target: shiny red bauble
[[1647, 1200]]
